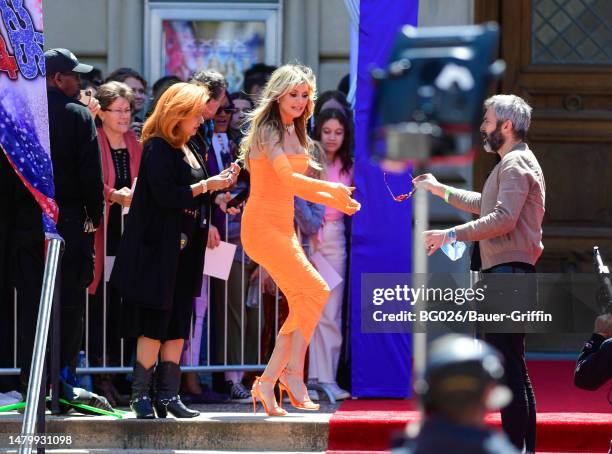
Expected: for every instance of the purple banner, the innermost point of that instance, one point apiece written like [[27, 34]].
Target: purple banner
[[24, 123], [381, 243]]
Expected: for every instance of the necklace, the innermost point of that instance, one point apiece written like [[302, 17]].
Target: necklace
[[289, 128]]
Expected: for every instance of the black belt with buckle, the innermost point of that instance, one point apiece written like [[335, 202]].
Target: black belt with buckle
[[193, 213]]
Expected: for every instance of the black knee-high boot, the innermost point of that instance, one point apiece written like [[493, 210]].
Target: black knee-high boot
[[168, 379], [141, 401]]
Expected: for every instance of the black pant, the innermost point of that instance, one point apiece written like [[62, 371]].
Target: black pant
[[27, 267], [76, 272], [97, 307], [76, 275], [113, 329], [518, 417]]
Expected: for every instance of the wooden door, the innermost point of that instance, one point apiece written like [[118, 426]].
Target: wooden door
[[559, 58]]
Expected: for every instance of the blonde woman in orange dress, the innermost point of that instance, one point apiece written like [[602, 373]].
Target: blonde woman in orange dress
[[275, 150]]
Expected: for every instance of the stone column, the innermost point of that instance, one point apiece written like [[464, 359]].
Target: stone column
[[125, 34], [301, 32], [446, 12]]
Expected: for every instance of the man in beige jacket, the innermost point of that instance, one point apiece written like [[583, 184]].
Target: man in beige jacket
[[509, 230]]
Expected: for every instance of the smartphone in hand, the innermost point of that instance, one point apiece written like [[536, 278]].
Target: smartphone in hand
[[238, 198]]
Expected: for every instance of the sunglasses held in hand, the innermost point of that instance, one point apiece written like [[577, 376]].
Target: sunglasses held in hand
[[401, 197]]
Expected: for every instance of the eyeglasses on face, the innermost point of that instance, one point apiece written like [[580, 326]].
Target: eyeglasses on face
[[119, 111], [400, 197]]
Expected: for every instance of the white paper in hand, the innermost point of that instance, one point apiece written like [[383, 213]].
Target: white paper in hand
[[109, 262], [126, 210], [218, 261], [327, 272]]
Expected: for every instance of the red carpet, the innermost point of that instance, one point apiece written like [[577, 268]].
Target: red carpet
[[569, 420]]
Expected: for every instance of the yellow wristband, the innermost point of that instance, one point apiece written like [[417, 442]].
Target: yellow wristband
[[447, 193]]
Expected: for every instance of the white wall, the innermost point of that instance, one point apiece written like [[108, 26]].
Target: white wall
[[105, 33], [316, 33], [109, 33], [445, 12]]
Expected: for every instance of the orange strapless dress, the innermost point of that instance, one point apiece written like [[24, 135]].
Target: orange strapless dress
[[269, 238]]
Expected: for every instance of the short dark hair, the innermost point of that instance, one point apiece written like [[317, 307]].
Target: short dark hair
[[336, 95], [258, 74], [213, 80], [345, 152], [159, 87], [240, 95], [94, 76], [121, 74], [345, 84], [161, 84]]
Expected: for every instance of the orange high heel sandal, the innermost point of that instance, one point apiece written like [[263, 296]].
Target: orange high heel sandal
[[306, 404], [257, 394]]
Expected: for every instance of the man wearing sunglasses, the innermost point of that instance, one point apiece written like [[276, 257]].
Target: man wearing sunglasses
[[509, 232]]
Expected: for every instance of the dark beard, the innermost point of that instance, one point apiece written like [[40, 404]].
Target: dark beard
[[494, 139]]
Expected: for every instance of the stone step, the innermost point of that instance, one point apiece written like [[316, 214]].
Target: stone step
[[156, 451], [218, 428]]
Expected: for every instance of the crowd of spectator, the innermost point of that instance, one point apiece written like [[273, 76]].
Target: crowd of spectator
[[96, 165]]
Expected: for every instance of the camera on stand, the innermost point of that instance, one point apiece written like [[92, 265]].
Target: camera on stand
[[428, 104], [429, 98]]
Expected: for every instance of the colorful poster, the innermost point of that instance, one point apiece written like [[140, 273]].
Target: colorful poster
[[24, 124], [230, 47]]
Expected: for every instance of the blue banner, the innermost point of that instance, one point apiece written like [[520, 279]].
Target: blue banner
[[24, 123], [382, 240]]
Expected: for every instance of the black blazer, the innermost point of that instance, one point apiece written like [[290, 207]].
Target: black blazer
[[146, 264], [77, 169]]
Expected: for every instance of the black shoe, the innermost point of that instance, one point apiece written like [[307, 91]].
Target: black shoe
[[142, 407], [238, 393], [141, 402], [175, 407], [167, 400]]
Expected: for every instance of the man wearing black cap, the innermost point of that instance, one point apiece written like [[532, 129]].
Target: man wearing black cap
[[461, 383], [79, 188]]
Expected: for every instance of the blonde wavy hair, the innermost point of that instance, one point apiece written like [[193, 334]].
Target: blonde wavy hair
[[318, 160], [179, 101], [266, 116]]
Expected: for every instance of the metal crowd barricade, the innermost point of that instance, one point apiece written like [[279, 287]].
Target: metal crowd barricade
[[124, 365]]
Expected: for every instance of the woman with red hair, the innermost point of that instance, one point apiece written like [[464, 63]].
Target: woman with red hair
[[158, 270]]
